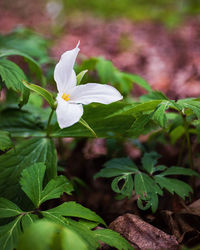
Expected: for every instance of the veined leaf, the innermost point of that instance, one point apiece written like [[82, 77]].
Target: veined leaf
[[12, 76], [153, 95], [5, 141], [138, 125], [73, 209], [179, 171], [31, 182], [116, 167], [33, 65], [174, 186], [9, 234], [84, 123], [22, 156], [28, 219], [159, 114], [41, 91], [138, 80], [149, 161], [55, 187], [113, 239], [8, 209]]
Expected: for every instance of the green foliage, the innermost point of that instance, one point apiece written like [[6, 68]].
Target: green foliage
[[149, 179], [108, 73], [22, 156], [5, 141], [42, 92], [12, 76], [57, 230]]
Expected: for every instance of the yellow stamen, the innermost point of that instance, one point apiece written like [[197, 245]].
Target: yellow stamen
[[65, 97]]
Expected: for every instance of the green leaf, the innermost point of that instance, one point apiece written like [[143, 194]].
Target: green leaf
[[174, 186], [80, 76], [9, 234], [84, 123], [116, 167], [22, 156], [55, 188], [136, 109], [179, 171], [5, 141], [127, 186], [138, 80], [159, 114], [41, 91], [8, 209], [149, 161], [176, 133], [105, 70], [190, 104], [113, 239], [73, 209], [153, 95], [12, 76], [138, 126], [33, 65], [148, 190], [31, 182]]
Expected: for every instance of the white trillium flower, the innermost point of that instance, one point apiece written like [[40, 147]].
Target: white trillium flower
[[70, 98]]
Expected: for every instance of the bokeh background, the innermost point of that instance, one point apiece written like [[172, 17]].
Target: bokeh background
[[158, 40]]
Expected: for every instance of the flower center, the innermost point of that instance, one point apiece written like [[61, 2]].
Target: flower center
[[65, 97]]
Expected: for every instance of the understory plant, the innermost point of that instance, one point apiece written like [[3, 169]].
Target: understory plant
[[33, 119]]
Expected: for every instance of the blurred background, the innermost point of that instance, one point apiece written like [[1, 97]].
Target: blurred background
[[158, 40]]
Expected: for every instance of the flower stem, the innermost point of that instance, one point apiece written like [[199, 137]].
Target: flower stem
[[49, 121]]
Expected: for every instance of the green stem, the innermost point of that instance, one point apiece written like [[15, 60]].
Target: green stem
[[188, 142], [49, 121]]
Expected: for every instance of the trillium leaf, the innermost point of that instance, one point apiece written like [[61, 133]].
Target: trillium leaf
[[73, 209], [12, 76], [176, 133], [41, 91], [5, 141], [8, 209], [112, 239], [80, 76]]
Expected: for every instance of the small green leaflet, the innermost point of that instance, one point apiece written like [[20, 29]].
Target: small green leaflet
[[9, 234], [113, 239], [179, 171], [5, 141], [32, 184], [84, 123], [127, 186], [174, 186], [73, 209], [8, 209], [41, 91], [149, 161], [12, 76], [159, 114], [138, 80]]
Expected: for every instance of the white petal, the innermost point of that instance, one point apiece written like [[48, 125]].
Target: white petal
[[68, 113], [94, 92], [64, 74]]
